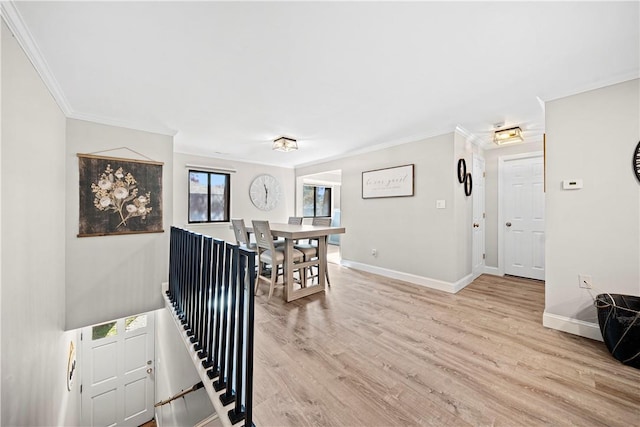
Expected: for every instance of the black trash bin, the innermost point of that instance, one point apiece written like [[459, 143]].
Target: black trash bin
[[619, 319]]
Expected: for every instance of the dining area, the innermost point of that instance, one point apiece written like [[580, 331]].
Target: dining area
[[291, 254]]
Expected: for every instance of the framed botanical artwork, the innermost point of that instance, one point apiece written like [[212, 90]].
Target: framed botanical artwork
[[389, 182], [119, 196]]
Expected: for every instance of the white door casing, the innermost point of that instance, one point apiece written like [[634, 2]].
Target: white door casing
[[478, 226], [521, 223], [118, 373]]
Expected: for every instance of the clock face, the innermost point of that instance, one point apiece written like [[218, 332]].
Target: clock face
[[636, 161], [265, 192]]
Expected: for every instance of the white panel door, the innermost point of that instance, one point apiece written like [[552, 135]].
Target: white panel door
[[117, 372], [478, 258], [524, 217]]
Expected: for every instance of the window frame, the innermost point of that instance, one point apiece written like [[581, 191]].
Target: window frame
[[315, 198], [227, 197]]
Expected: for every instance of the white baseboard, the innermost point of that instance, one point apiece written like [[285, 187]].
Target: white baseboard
[[572, 326], [411, 278], [492, 271]]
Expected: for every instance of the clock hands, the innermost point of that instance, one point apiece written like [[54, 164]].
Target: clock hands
[[266, 193]]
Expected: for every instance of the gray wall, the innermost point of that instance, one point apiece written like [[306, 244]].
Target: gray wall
[[595, 230], [110, 277], [34, 346], [411, 236], [241, 206]]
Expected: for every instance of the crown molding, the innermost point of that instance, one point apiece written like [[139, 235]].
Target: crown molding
[[121, 123], [16, 24]]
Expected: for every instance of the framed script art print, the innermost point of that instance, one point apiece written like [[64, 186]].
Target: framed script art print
[[389, 182], [119, 196]]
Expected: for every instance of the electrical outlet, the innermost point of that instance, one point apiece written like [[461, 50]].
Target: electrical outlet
[[584, 281], [374, 252]]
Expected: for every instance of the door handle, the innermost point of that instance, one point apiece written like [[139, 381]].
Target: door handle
[[476, 225], [149, 370], [508, 224]]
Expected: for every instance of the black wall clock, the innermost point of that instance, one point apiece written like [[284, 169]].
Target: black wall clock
[[462, 170], [636, 161]]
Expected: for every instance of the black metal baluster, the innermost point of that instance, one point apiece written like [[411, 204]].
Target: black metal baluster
[[230, 395], [248, 400], [206, 295], [244, 284], [196, 339], [216, 318], [224, 331]]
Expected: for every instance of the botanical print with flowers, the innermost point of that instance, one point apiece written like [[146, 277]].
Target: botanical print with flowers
[[119, 196]]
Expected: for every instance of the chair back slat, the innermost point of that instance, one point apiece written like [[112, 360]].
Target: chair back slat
[[240, 231], [295, 220], [262, 232], [323, 221]]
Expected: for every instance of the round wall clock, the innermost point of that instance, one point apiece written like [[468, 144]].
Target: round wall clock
[[636, 161], [265, 192]]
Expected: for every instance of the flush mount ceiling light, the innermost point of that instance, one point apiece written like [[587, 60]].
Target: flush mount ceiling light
[[508, 136], [285, 144]]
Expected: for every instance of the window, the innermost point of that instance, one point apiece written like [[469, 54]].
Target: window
[[316, 201], [209, 196]]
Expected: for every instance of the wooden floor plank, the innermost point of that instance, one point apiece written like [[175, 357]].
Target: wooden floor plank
[[372, 351]]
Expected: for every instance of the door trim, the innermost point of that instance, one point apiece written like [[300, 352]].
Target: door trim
[[502, 160], [481, 270]]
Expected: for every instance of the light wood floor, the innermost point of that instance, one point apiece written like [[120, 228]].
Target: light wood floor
[[377, 352]]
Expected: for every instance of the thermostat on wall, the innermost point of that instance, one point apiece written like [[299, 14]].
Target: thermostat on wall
[[572, 184]]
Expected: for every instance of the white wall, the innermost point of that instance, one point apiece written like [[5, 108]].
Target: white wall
[[491, 194], [110, 277], [595, 230], [174, 373], [34, 344], [414, 240], [241, 206]]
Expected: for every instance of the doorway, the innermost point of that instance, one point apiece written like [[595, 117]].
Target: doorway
[[521, 224], [332, 180], [118, 385]]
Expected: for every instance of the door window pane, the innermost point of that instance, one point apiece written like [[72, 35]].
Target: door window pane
[[135, 322], [105, 330]]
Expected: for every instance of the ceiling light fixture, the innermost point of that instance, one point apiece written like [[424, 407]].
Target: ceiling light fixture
[[508, 136], [285, 144]]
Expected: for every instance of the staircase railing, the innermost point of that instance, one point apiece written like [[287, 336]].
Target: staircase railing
[[211, 290]]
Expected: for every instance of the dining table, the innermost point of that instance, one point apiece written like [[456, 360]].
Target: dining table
[[292, 233]]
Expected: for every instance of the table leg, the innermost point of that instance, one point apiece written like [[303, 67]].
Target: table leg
[[322, 260], [288, 269]]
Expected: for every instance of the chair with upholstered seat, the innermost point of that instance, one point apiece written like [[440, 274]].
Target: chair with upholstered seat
[[269, 254], [242, 236], [310, 250]]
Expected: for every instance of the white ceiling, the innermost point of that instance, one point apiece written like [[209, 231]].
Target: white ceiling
[[229, 77]]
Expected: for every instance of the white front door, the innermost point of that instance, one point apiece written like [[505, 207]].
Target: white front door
[[117, 372], [478, 257], [523, 217]]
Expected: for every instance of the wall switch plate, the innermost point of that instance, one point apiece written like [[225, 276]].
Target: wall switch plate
[[441, 204], [584, 281], [571, 184]]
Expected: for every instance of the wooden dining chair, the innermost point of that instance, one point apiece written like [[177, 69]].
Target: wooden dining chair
[[241, 233], [295, 220], [268, 254], [311, 250]]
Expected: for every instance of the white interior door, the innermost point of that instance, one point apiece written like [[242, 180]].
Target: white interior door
[[117, 372], [524, 217], [478, 257]]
